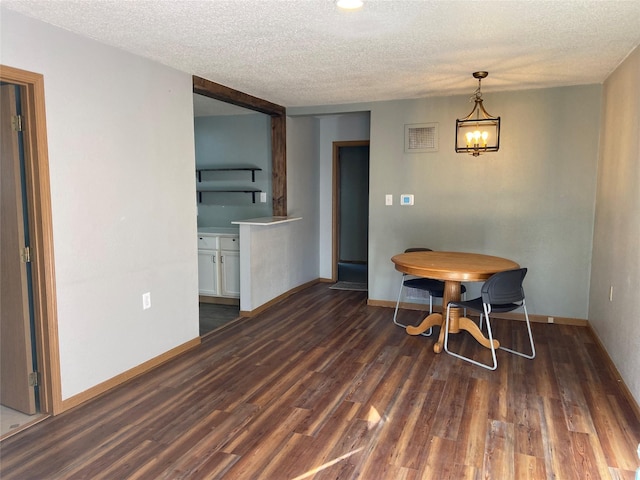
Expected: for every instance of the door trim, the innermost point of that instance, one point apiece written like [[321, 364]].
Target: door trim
[[335, 227], [41, 232], [16, 344]]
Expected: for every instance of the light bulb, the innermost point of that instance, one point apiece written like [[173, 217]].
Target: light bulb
[[350, 4], [469, 136], [485, 135]]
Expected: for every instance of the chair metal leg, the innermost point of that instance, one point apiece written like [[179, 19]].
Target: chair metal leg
[[533, 348], [490, 335], [395, 313], [467, 359]]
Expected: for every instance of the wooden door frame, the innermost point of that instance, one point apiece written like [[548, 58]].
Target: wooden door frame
[[16, 344], [335, 217], [41, 233]]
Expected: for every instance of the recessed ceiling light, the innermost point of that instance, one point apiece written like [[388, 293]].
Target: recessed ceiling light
[[350, 4]]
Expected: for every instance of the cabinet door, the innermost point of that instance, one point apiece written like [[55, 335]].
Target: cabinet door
[[208, 272], [230, 273]]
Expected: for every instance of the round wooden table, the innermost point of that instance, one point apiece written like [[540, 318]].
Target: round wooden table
[[453, 268]]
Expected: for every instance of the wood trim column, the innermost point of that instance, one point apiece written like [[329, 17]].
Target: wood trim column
[[279, 167]]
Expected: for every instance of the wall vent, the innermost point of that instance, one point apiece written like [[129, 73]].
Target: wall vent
[[421, 137]]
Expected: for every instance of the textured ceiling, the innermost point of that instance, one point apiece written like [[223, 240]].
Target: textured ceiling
[[309, 52]]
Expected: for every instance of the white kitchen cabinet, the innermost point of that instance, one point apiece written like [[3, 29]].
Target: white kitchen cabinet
[[230, 273], [219, 265], [208, 272]]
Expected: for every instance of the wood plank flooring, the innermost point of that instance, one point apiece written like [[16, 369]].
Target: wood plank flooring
[[213, 316], [323, 386]]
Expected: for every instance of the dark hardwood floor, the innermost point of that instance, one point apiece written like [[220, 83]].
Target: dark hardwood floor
[[323, 386], [214, 316]]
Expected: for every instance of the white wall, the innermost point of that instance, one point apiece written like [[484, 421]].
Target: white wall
[[616, 249], [121, 159], [275, 259]]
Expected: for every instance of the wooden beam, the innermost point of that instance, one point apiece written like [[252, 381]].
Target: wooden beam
[[279, 165], [216, 91]]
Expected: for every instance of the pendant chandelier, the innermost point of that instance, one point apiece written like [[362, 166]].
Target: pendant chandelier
[[478, 132]]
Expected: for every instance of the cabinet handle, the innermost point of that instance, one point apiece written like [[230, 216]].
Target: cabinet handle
[[213, 258], [221, 259]]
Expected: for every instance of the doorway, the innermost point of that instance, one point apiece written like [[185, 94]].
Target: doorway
[[18, 395], [30, 373], [351, 212]]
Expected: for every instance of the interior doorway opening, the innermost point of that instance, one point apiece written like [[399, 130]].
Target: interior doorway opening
[[351, 212], [30, 366], [19, 398]]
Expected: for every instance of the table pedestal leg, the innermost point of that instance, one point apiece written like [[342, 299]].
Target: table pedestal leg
[[456, 322], [470, 326], [451, 294], [435, 319]]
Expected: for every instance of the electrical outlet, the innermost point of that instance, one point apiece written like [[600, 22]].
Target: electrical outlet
[[549, 319], [146, 300], [388, 199], [263, 197]]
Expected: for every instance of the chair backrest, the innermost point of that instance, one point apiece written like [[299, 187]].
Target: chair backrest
[[504, 287], [417, 249]]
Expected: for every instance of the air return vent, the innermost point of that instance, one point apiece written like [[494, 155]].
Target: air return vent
[[421, 137]]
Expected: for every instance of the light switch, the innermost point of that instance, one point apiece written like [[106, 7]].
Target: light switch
[[263, 197], [146, 300], [388, 199]]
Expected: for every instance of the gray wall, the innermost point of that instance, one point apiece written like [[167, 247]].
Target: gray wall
[[533, 201], [333, 128], [303, 194], [232, 140], [616, 246]]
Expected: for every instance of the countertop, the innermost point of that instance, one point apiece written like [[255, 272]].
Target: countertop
[[266, 220], [219, 230]]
